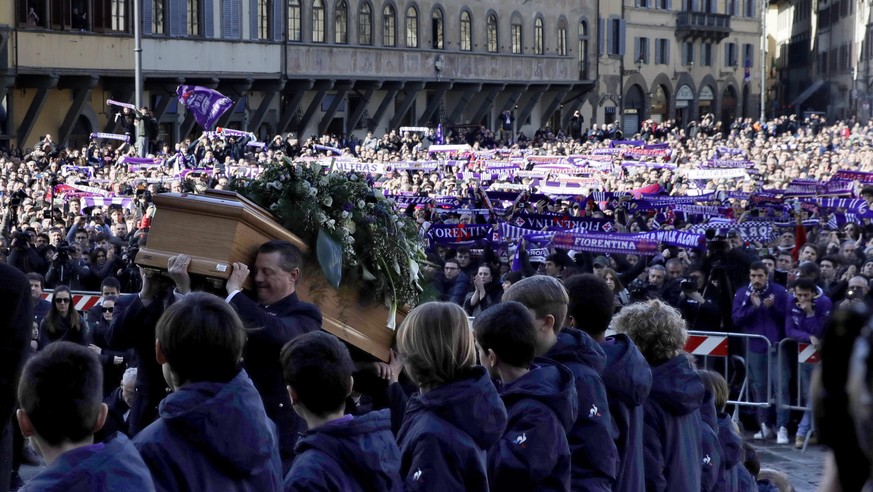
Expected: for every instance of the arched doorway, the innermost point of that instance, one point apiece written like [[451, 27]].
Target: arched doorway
[[684, 100], [634, 101], [728, 106], [660, 104]]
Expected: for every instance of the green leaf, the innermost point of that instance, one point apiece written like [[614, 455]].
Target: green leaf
[[330, 257]]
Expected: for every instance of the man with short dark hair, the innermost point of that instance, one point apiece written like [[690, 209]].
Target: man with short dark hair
[[276, 316], [41, 306], [452, 283], [61, 409], [759, 309]]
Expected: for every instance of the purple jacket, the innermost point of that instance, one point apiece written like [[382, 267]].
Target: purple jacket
[[799, 326], [769, 322]]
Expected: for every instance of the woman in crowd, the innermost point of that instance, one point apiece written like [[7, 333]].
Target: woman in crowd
[[458, 415], [622, 296], [487, 291], [63, 321]]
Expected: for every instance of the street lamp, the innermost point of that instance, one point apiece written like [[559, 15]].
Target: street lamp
[[639, 63]]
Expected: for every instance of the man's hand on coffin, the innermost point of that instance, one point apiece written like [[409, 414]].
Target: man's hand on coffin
[[177, 270], [237, 277]]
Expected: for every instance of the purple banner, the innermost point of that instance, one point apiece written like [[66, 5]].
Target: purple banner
[[206, 104], [854, 176]]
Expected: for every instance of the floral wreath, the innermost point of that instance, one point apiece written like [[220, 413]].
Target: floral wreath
[[357, 233]]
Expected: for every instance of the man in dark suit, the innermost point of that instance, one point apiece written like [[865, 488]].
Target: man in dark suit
[[16, 324], [274, 318]]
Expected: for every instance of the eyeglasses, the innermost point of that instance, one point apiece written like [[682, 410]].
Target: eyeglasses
[[108, 309], [62, 300]]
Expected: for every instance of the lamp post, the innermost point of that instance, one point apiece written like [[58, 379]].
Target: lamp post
[[137, 53], [764, 5]]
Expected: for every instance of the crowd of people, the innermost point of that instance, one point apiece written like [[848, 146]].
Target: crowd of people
[[777, 239]]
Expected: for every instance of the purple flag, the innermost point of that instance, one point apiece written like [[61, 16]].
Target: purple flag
[[206, 104]]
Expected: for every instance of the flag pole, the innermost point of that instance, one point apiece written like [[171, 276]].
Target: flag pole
[[137, 53]]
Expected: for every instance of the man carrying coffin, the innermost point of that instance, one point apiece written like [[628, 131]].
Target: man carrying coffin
[[274, 317]]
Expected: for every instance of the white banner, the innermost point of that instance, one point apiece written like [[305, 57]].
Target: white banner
[[715, 173]]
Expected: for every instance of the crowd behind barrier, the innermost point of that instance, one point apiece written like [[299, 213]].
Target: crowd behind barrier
[[755, 232]]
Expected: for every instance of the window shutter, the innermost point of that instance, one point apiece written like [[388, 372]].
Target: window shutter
[[666, 51], [601, 36], [253, 19], [146, 16], [622, 30], [236, 19], [278, 12], [208, 15], [636, 49], [175, 28]]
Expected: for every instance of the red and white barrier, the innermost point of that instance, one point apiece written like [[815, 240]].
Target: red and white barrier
[[81, 301], [807, 354], [709, 345]]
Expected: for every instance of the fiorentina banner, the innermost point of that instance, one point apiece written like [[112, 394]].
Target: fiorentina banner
[[206, 104]]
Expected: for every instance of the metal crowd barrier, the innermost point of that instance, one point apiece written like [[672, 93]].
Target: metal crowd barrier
[[713, 345], [807, 359], [82, 300]]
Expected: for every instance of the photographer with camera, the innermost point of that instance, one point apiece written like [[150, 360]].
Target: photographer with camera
[[68, 267], [23, 255], [698, 301], [857, 294]]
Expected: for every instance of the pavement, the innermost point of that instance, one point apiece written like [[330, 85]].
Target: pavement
[[804, 468]]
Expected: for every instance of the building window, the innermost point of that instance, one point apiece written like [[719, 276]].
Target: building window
[[730, 55], [365, 24], [317, 21], [583, 50], [750, 8], [437, 30], [193, 18], [515, 34], [706, 54], [748, 55], [264, 17], [341, 24], [732, 7], [119, 15], [492, 33], [159, 20], [562, 37], [466, 31], [389, 26], [617, 29], [538, 36], [641, 50], [664, 4], [687, 54], [294, 20], [411, 27], [662, 51]]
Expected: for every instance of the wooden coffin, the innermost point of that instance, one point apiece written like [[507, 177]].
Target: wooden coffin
[[220, 228]]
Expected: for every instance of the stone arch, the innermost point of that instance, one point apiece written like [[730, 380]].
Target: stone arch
[[688, 113], [708, 80], [661, 80]]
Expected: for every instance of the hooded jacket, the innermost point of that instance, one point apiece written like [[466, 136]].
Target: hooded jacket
[[212, 436], [113, 465], [731, 454], [761, 320], [350, 454], [799, 326], [534, 454], [446, 432], [672, 444], [592, 438], [628, 381], [712, 468]]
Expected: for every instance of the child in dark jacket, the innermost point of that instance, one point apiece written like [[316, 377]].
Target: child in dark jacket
[[339, 452], [213, 432], [447, 428], [729, 438], [594, 456], [61, 397], [533, 453]]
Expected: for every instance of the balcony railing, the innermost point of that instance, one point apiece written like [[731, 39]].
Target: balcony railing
[[703, 25]]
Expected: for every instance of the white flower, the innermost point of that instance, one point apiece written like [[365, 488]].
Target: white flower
[[361, 204], [330, 224], [351, 227], [313, 191], [345, 214], [274, 206], [323, 181], [327, 201]]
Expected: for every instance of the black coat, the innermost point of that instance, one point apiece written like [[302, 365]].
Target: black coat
[[16, 323], [134, 328], [269, 329]]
